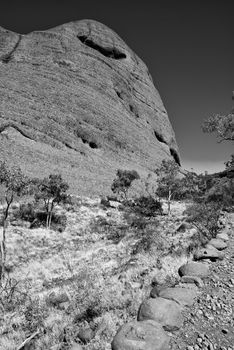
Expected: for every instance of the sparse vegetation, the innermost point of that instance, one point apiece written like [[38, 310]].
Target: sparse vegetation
[[105, 259]]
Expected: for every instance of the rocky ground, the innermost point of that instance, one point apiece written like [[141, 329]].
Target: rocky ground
[[209, 324], [75, 288], [194, 313]]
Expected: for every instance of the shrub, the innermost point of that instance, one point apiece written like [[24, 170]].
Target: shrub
[[12, 293], [52, 191], [25, 212], [123, 181], [35, 312], [222, 192], [147, 206], [167, 180], [37, 217], [13, 184], [205, 216]]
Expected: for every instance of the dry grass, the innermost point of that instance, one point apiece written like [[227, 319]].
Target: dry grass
[[96, 264]]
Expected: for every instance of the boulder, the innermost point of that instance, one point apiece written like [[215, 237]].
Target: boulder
[[155, 291], [223, 236], [183, 227], [164, 311], [209, 252], [193, 268], [75, 346], [218, 243], [183, 296], [85, 335], [192, 279], [146, 335], [76, 95], [59, 299]]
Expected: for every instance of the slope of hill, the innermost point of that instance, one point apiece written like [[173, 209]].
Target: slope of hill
[[77, 100]]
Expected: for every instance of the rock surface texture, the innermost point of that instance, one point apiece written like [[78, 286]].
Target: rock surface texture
[[183, 296], [194, 269], [146, 335], [76, 99], [209, 252], [164, 311]]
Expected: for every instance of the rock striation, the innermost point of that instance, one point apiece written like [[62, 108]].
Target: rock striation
[[77, 100]]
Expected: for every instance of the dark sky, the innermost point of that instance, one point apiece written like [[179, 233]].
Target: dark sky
[[187, 45]]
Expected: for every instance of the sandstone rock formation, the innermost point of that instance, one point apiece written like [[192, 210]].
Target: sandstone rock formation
[[209, 252], [183, 296], [146, 335], [164, 311], [194, 269], [77, 100], [218, 243], [223, 236]]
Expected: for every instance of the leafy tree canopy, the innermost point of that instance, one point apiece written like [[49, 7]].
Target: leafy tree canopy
[[222, 125]]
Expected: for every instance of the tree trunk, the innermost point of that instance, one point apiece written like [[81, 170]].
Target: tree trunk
[[3, 238], [47, 219], [50, 214], [2, 259], [169, 202]]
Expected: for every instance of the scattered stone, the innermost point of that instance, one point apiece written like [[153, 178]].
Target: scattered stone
[[156, 291], [225, 331], [164, 311], [187, 286], [75, 346], [183, 296], [218, 243], [223, 236], [57, 299], [184, 226], [197, 269], [146, 335], [192, 279], [209, 252], [85, 335], [193, 231]]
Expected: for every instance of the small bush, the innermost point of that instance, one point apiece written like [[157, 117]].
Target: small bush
[[25, 212], [147, 206], [31, 213], [123, 181], [205, 216], [12, 293], [35, 313], [222, 192]]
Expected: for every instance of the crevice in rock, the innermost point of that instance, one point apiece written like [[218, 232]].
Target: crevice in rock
[[175, 156], [70, 147], [8, 57], [12, 125], [86, 138], [133, 110], [173, 152], [113, 53], [90, 143], [159, 137], [119, 94]]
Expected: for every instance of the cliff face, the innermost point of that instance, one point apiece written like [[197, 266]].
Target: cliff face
[[77, 100]]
